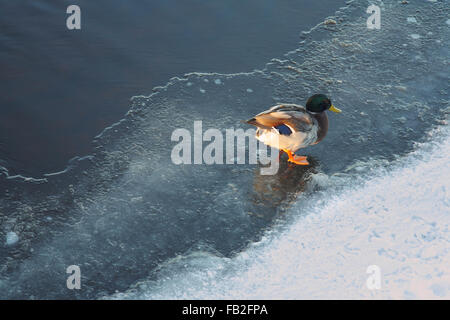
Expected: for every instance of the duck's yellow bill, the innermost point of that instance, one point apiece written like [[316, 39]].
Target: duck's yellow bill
[[334, 109]]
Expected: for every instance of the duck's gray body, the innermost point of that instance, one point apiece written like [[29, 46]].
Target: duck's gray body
[[306, 128]]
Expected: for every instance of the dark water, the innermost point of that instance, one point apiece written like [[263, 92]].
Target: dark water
[[127, 211], [61, 88]]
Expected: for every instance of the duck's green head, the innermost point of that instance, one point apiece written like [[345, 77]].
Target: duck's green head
[[320, 103]]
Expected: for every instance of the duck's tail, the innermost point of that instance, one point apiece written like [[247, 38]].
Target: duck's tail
[[255, 123]]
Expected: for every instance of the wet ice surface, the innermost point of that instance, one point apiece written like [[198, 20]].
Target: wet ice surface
[[127, 211], [11, 238]]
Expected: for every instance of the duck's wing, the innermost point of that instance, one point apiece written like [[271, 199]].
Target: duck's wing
[[294, 116]]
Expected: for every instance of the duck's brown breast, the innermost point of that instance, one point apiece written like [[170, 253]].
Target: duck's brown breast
[[322, 120]]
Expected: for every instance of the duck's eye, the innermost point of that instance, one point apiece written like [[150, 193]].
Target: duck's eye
[[283, 129], [325, 105]]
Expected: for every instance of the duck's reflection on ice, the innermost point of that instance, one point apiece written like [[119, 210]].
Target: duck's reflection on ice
[[272, 194]]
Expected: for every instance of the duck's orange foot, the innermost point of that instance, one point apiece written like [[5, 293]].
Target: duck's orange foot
[[300, 160]]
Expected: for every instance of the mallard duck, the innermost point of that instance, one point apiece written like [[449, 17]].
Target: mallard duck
[[289, 127]]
